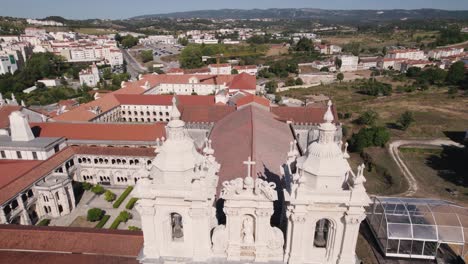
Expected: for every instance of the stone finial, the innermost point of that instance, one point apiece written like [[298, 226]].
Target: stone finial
[[328, 117], [175, 114], [345, 152], [360, 179], [22, 103]]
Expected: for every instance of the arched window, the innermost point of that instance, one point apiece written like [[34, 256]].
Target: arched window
[[46, 210], [322, 229], [60, 207], [177, 227]]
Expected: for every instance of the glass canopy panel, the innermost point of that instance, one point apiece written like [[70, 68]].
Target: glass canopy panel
[[450, 234], [399, 231], [425, 232]]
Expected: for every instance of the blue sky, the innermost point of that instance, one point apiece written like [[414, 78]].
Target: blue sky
[[79, 9]]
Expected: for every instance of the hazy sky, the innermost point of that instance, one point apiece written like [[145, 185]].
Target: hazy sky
[[127, 8]]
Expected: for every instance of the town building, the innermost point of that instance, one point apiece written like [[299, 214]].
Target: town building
[[349, 63], [8, 64], [438, 54], [410, 54], [249, 69], [89, 77], [224, 68]]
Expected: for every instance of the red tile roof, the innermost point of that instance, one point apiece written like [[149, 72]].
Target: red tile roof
[[100, 131], [140, 99], [204, 113], [5, 112], [33, 174], [115, 151], [311, 115], [13, 169], [249, 99], [21, 257], [244, 81], [101, 242], [254, 132]]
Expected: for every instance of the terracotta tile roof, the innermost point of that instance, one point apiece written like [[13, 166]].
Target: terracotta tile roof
[[13, 169], [311, 115], [101, 242], [5, 112], [100, 131], [137, 99], [115, 151], [244, 81], [105, 103], [253, 132], [21, 257], [249, 98], [205, 113], [221, 65], [28, 178]]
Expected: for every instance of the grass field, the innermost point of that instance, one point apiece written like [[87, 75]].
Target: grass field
[[431, 184], [434, 110], [95, 31]]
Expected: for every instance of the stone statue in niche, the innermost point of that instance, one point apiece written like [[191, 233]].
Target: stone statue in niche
[[220, 239], [276, 241], [177, 227], [247, 230]]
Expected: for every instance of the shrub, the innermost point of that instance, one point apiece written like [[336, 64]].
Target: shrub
[[103, 221], [299, 81], [98, 189], [109, 196], [86, 186], [122, 197], [134, 228], [405, 120], [367, 137], [124, 216], [131, 203], [115, 224], [368, 118], [94, 214], [44, 222]]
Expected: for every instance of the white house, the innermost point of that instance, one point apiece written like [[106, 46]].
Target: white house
[[90, 76], [8, 64], [224, 68], [349, 63]]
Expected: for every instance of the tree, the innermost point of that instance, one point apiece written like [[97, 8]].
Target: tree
[[109, 196], [107, 73], [191, 57], [124, 216], [129, 41], [368, 118], [340, 76], [324, 69], [367, 137], [94, 214], [183, 41], [234, 71], [338, 63], [86, 186], [290, 81], [413, 72], [405, 120], [305, 44], [98, 189], [271, 87], [456, 73], [146, 55], [299, 81]]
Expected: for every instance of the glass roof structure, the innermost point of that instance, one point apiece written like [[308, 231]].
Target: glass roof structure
[[420, 224]]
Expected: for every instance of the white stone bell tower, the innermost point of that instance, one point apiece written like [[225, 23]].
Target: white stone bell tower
[[176, 198], [326, 203]]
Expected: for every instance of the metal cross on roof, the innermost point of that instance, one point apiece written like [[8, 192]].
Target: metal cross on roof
[[249, 164]]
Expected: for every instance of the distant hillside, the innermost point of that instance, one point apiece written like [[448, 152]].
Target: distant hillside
[[321, 14]]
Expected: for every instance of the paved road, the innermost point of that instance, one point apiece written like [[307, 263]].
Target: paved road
[[395, 153], [133, 67]]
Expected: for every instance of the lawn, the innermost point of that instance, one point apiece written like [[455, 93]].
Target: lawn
[[425, 164], [434, 110], [383, 177]]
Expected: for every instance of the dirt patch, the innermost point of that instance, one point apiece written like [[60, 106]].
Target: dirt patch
[[81, 221]]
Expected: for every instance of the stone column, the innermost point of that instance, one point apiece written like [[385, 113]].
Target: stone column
[[151, 244], [3, 218], [201, 234], [233, 223], [298, 228], [24, 219], [350, 236], [262, 230]]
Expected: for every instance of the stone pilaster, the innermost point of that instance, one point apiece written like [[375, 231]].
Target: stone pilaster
[[201, 234], [3, 218], [233, 222], [151, 243], [350, 236], [262, 231], [296, 247]]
